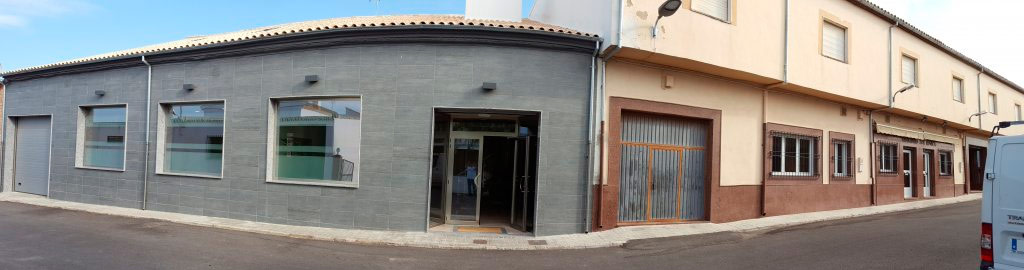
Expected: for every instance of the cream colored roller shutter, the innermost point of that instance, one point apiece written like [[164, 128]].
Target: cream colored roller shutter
[[714, 8], [833, 41], [909, 70]]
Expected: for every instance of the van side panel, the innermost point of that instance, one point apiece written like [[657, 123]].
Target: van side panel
[[1008, 201]]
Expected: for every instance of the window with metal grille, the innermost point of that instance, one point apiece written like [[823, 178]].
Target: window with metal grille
[[945, 163], [887, 157], [793, 155], [842, 159]]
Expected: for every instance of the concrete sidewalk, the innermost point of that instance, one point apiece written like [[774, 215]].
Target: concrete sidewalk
[[609, 238]]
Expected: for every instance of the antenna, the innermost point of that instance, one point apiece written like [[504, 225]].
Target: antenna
[[376, 4]]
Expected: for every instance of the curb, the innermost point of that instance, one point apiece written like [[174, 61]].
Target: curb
[[449, 240]]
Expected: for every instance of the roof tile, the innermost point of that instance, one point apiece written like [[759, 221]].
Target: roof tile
[[310, 26]]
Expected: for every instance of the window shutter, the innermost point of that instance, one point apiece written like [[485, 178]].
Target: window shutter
[[909, 70], [833, 41], [714, 8], [958, 90]]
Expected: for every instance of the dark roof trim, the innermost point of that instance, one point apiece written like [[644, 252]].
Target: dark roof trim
[[878, 11], [429, 34]]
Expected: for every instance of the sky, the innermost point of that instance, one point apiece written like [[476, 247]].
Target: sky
[[37, 32], [988, 31]]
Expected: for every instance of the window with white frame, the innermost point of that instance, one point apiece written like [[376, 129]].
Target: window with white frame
[[958, 89], [718, 9], [793, 155], [101, 137], [842, 158], [993, 103], [888, 157], [833, 41], [945, 163], [192, 139], [315, 140], [909, 70]]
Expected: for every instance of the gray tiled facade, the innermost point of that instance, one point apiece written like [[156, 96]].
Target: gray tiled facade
[[399, 85]]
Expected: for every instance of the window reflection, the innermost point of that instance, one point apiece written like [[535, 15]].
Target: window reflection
[[194, 138], [318, 139], [104, 132]]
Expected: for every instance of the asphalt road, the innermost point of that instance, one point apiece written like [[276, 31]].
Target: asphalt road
[[43, 238]]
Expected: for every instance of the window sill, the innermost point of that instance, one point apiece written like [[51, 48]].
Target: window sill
[[713, 17], [305, 183], [190, 175], [791, 174], [833, 58], [99, 169]]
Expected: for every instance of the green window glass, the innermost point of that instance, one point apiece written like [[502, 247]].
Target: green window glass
[[104, 132], [194, 138], [318, 139]]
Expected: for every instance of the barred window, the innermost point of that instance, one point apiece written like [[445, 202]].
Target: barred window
[[945, 163], [842, 158], [887, 158], [793, 155]]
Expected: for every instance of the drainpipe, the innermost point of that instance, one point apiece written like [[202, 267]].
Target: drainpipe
[[3, 125], [591, 144], [764, 104], [149, 92], [978, 89], [871, 119]]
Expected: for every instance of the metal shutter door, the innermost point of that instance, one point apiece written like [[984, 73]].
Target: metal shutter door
[[32, 155], [662, 177]]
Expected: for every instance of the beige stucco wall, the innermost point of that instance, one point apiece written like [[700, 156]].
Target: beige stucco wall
[[752, 42], [809, 112], [916, 124], [741, 106]]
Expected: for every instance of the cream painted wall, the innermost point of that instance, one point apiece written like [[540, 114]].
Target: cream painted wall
[[741, 108], [752, 42], [915, 124], [866, 50], [740, 105], [809, 112]]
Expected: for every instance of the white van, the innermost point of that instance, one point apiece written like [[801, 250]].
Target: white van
[[1002, 216]]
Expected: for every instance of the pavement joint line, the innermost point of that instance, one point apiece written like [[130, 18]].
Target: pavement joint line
[[450, 240]]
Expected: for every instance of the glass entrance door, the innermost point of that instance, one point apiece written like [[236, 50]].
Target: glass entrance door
[[464, 188]]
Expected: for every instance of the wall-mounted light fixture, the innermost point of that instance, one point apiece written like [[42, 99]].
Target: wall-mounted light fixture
[[188, 87], [489, 86], [100, 93], [904, 89], [667, 9], [311, 79]]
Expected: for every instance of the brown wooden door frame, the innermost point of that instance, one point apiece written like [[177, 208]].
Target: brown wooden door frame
[[608, 202]]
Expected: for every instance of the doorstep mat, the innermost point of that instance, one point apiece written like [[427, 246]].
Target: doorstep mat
[[477, 229]]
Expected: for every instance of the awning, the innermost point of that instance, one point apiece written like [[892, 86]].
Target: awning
[[915, 134]]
